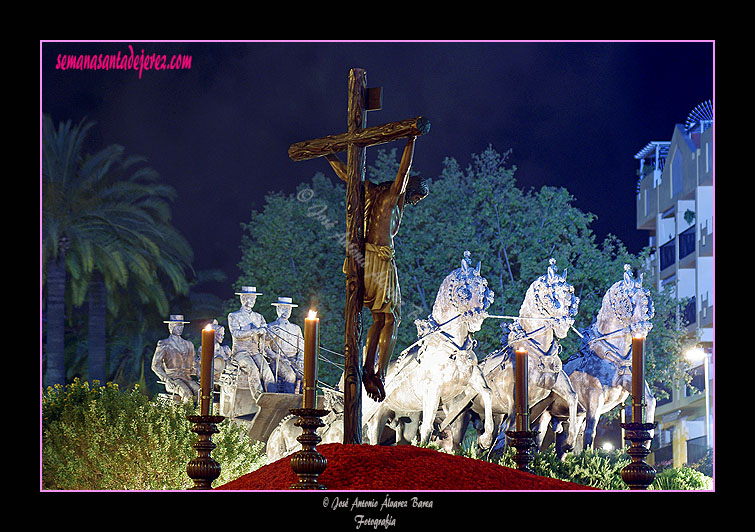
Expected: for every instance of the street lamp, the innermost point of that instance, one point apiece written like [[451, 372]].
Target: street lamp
[[697, 354]]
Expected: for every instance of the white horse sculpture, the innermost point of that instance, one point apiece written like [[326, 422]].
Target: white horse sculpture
[[546, 314], [442, 365], [601, 372], [282, 440]]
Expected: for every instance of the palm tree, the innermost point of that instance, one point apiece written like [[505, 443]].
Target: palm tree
[[116, 218], [137, 252], [61, 158]]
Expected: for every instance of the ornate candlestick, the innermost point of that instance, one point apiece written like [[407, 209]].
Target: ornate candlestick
[[307, 463], [524, 443], [203, 470], [638, 475], [522, 439]]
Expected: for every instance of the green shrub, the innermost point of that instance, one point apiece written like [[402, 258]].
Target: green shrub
[[602, 469], [596, 468], [102, 438], [681, 478]]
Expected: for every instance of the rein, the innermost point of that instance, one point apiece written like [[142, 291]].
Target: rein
[[435, 330], [527, 336], [603, 338]]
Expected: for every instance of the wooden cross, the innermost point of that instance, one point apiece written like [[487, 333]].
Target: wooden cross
[[355, 141]]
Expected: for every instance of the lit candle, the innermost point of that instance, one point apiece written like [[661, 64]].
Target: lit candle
[[205, 380], [638, 378], [520, 388], [311, 350]]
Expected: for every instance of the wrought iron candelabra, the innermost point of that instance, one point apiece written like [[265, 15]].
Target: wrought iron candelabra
[[308, 463], [203, 469]]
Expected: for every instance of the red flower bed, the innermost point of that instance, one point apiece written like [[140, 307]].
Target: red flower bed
[[400, 467]]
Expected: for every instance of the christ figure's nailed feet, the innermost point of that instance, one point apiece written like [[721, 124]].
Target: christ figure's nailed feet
[[373, 384]]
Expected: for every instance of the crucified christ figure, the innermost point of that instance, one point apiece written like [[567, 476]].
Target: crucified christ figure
[[383, 207]]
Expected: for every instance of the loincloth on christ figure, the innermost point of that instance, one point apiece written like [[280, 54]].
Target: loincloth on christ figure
[[381, 289]]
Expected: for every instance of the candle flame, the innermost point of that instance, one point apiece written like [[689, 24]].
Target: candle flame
[[208, 327], [312, 314]]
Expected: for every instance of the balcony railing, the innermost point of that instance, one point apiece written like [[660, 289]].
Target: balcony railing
[[687, 242], [664, 456], [696, 449], [668, 254]]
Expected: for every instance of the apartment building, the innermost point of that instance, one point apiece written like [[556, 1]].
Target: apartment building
[[674, 199]]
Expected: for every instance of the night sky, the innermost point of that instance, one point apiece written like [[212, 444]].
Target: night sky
[[573, 114]]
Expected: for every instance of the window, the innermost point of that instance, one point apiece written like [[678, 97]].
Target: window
[[689, 314], [668, 254], [687, 242]]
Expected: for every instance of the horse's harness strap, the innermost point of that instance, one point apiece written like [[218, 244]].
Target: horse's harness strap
[[463, 347], [553, 351], [602, 337], [623, 366], [438, 329]]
